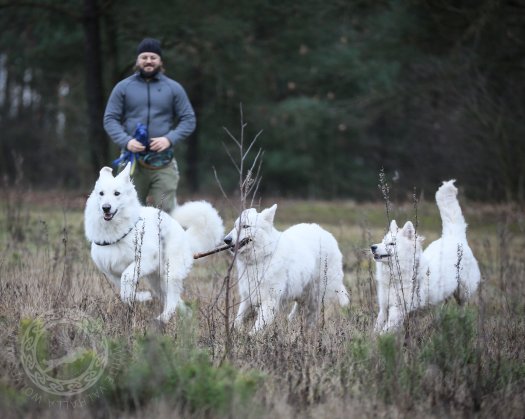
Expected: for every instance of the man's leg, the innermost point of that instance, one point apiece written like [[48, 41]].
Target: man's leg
[[164, 187], [141, 179]]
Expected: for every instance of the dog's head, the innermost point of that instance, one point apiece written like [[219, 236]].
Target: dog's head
[[251, 230], [113, 195], [402, 243]]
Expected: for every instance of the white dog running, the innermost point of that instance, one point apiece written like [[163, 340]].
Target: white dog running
[[130, 241], [408, 278], [301, 264]]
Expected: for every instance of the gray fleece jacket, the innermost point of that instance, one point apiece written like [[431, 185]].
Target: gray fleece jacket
[[161, 103]]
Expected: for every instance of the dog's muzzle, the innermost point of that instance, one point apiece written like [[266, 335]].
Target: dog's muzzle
[[234, 247], [244, 242], [108, 215], [376, 255]]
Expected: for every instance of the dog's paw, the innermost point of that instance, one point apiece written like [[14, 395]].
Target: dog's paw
[[380, 322], [257, 327], [127, 295], [390, 327], [165, 317], [143, 296], [169, 312], [238, 322]]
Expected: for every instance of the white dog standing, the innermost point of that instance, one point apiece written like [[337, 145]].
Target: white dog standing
[[301, 264], [408, 278], [130, 241]]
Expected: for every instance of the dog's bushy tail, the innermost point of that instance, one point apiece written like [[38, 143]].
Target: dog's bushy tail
[[450, 211], [202, 223]]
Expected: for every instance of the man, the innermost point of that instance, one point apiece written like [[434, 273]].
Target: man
[[161, 104]]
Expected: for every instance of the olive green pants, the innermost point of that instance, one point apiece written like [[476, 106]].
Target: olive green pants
[[159, 184]]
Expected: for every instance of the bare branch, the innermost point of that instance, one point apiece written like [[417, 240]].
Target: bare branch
[[232, 136], [251, 145], [231, 157]]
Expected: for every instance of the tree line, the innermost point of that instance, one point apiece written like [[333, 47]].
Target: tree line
[[422, 90]]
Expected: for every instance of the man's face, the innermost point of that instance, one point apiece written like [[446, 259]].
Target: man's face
[[149, 63]]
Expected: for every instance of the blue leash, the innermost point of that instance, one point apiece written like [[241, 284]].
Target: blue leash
[[141, 135]]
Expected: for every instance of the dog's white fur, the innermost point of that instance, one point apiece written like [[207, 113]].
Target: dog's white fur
[[301, 264], [408, 278], [131, 241]]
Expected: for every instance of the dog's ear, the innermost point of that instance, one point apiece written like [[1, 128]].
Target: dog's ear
[[393, 226], [106, 171], [408, 230], [268, 214], [126, 172]]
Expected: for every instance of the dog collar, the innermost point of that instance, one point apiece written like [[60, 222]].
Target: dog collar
[[116, 241]]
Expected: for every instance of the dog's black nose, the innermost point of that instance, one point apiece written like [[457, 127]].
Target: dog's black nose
[[228, 240], [106, 208], [373, 248]]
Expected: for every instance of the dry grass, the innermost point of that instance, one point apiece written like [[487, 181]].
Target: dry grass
[[449, 362]]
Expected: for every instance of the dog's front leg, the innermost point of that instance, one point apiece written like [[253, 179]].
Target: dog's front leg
[[395, 318], [128, 284], [113, 280], [265, 315], [173, 300], [382, 300], [293, 312], [380, 321], [244, 306]]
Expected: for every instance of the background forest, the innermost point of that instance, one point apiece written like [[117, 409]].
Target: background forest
[[425, 90]]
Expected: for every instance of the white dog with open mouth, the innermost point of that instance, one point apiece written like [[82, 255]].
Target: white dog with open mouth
[[408, 278], [301, 264], [130, 241]]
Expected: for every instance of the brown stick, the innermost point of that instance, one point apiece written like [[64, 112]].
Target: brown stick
[[211, 252]]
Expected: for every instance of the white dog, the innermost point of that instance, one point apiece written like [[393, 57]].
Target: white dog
[[408, 278], [302, 264], [130, 241]]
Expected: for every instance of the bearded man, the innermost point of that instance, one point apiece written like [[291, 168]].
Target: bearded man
[[150, 103]]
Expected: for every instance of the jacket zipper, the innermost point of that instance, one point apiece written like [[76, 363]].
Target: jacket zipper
[[149, 104]]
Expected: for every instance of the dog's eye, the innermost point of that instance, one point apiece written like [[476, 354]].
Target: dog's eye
[[391, 244], [245, 226], [117, 193], [101, 193]]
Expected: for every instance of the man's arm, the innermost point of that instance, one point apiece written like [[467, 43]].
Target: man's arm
[[113, 118], [182, 110]]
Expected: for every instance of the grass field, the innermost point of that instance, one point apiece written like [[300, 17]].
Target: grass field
[[449, 361]]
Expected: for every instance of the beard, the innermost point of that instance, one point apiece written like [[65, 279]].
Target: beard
[[147, 74]]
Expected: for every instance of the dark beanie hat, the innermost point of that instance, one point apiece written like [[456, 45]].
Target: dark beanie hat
[[149, 45]]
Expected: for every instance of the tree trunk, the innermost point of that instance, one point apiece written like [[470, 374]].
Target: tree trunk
[[98, 141], [192, 151], [112, 52]]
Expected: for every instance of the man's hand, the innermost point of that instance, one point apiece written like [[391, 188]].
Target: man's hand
[[135, 146], [159, 144]]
